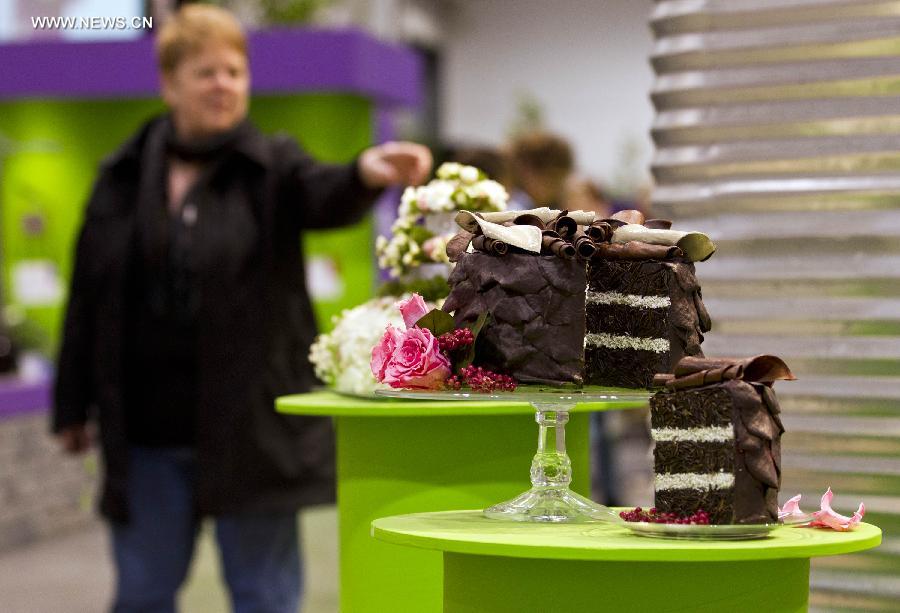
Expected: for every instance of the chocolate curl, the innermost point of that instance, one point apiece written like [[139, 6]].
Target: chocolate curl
[[629, 216], [489, 245], [658, 224], [564, 225], [584, 246], [695, 371], [695, 245], [636, 250], [553, 244], [599, 231], [457, 245], [529, 220]]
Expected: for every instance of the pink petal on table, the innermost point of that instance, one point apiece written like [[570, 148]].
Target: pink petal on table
[[790, 508], [828, 518]]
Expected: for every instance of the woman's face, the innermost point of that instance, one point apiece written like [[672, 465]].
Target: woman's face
[[208, 92]]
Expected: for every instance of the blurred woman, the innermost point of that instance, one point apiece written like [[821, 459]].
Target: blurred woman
[[188, 315]]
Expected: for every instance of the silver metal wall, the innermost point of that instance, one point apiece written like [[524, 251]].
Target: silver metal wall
[[778, 131]]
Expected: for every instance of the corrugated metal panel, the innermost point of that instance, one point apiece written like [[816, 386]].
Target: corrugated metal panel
[[778, 131]]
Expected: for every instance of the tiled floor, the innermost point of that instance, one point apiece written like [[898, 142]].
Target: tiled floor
[[72, 573]]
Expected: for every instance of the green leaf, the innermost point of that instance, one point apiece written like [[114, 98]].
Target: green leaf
[[469, 356], [437, 321]]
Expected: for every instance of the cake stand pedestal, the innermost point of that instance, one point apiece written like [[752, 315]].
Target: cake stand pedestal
[[550, 498]]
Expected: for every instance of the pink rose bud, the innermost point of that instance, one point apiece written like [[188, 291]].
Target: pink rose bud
[[412, 309]]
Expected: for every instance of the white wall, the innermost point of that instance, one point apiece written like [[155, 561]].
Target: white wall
[[584, 61]]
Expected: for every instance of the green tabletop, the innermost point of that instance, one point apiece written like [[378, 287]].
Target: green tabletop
[[499, 567], [345, 405], [469, 532]]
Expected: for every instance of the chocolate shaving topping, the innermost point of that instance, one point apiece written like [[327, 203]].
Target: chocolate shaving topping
[[489, 245], [553, 245], [584, 246], [635, 250]]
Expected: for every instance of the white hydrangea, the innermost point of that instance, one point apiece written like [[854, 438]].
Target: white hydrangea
[[457, 187]]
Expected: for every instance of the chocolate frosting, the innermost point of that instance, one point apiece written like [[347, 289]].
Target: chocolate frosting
[[537, 313], [457, 245]]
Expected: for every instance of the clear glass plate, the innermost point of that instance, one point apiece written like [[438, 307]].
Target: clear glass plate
[[712, 532], [535, 394]]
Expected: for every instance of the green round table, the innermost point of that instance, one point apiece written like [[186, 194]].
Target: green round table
[[404, 456], [495, 567]]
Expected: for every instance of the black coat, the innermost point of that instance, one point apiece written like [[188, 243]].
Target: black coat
[[254, 327]]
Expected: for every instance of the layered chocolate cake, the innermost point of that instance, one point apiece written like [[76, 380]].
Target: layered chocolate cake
[[717, 435], [577, 300]]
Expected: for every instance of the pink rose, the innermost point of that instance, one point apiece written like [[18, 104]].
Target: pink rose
[[416, 362], [412, 309], [382, 352]]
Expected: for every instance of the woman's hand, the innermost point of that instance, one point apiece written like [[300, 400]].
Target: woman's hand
[[395, 163]]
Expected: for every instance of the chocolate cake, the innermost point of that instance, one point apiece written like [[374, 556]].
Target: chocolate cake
[[577, 300], [717, 435]]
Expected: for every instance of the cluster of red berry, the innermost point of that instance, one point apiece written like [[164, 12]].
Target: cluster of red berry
[[481, 380], [451, 341], [654, 516]]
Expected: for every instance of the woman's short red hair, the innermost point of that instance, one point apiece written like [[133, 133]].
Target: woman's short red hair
[[192, 27]]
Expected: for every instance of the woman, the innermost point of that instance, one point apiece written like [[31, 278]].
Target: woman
[[188, 315]]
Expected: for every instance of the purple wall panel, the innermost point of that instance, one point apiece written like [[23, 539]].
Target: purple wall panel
[[282, 61]]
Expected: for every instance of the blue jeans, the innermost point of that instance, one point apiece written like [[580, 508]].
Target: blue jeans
[[259, 553]]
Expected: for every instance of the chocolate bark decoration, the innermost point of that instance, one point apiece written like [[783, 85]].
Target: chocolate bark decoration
[[537, 309], [457, 245]]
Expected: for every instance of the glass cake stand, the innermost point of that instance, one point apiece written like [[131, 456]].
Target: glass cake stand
[[549, 499]]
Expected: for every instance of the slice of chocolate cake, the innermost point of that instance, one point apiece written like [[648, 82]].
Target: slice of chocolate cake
[[642, 317], [717, 435]]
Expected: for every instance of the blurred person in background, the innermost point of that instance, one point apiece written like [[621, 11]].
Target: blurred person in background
[[188, 315], [584, 194], [540, 163], [492, 160]]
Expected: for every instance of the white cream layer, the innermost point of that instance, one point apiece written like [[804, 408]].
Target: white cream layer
[[614, 341], [694, 481], [711, 434], [631, 300]]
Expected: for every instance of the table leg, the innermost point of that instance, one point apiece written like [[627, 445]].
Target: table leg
[[396, 465], [489, 584]]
